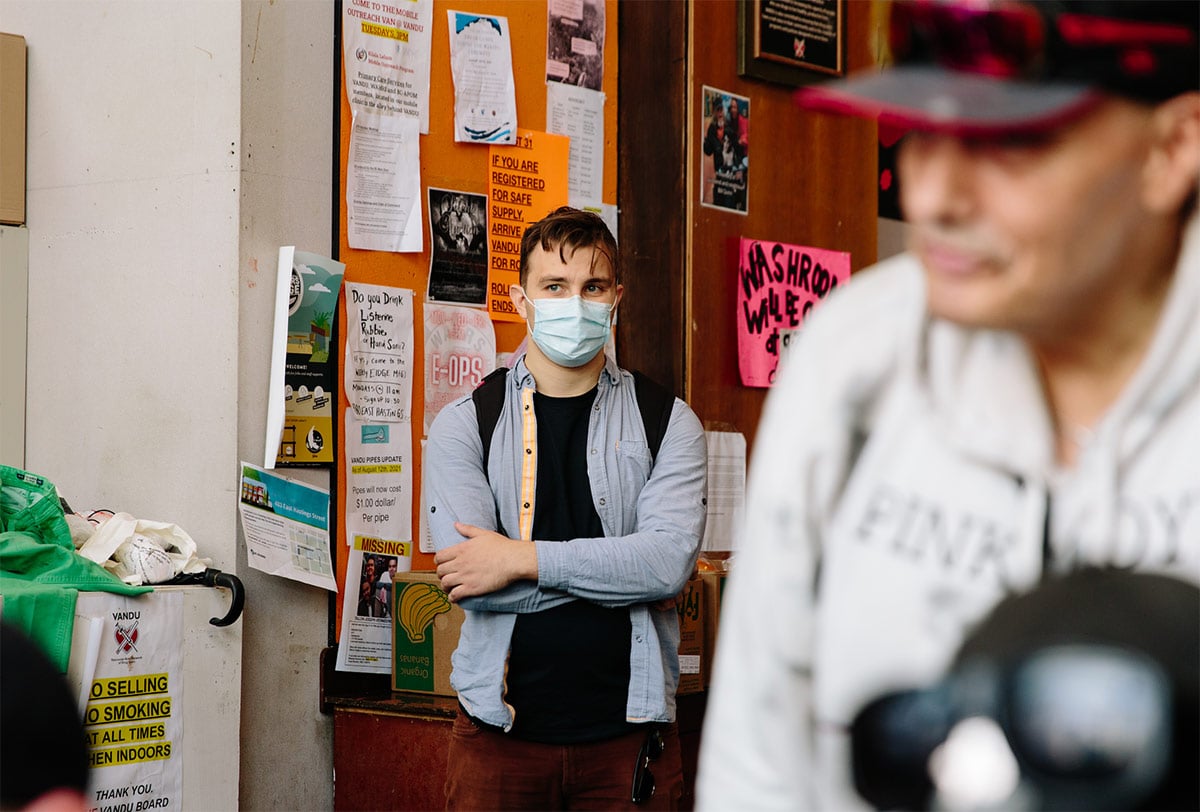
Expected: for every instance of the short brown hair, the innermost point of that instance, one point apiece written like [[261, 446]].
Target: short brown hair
[[568, 228]]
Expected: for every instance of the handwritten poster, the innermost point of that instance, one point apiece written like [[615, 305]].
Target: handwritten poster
[[526, 182], [385, 50], [485, 95], [379, 352], [778, 284]]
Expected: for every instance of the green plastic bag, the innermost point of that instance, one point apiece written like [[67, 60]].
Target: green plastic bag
[[40, 573]]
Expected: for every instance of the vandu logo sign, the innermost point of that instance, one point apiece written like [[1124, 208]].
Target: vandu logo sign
[[125, 633]]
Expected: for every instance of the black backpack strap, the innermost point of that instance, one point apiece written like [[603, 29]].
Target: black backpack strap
[[656, 404], [489, 402]]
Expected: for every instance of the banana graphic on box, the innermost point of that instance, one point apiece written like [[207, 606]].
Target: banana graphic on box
[[419, 604]]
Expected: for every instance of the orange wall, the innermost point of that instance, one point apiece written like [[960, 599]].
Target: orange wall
[[449, 165]]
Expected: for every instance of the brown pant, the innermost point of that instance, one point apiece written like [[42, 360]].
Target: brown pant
[[491, 771]]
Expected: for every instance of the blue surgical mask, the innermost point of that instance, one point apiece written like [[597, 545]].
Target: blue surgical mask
[[570, 332]]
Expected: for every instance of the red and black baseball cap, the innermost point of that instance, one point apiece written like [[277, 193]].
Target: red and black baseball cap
[[984, 67]]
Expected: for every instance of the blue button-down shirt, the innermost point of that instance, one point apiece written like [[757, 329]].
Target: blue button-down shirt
[[652, 515]]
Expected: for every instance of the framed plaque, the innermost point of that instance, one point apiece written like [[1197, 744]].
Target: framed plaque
[[791, 42]]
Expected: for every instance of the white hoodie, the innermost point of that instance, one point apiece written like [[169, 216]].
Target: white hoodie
[[903, 481]]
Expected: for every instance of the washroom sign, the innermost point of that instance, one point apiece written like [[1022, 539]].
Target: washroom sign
[[778, 286], [526, 181]]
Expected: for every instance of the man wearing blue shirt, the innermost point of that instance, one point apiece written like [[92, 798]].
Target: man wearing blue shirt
[[564, 544]]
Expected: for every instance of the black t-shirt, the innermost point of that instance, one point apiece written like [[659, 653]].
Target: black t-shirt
[[568, 667]]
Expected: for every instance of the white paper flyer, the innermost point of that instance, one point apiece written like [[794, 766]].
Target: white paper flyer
[[134, 715], [383, 184], [378, 483], [385, 50], [286, 525], [485, 97], [579, 113]]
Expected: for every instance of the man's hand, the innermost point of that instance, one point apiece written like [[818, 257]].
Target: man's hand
[[485, 562]]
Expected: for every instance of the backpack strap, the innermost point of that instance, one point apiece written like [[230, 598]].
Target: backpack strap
[[656, 404], [489, 402]]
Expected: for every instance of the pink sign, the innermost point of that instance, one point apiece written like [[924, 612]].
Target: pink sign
[[778, 284]]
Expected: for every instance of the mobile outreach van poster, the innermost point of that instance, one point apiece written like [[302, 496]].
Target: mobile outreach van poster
[[133, 716]]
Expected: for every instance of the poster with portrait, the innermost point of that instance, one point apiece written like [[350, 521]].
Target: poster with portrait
[[458, 259], [365, 645], [725, 159]]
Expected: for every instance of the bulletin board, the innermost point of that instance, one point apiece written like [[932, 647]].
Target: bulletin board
[[449, 165]]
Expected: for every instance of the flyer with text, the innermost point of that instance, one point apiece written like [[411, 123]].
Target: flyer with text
[[286, 525], [526, 182]]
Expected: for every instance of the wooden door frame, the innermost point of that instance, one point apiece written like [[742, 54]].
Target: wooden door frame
[[651, 189]]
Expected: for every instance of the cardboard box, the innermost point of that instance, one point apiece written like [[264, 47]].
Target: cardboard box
[[425, 629], [693, 675], [12, 129], [713, 588]]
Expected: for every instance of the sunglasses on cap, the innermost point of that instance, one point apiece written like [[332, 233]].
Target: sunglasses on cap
[[1022, 40], [1076, 726], [643, 779]]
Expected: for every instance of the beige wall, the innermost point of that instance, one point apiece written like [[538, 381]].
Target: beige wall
[[173, 146]]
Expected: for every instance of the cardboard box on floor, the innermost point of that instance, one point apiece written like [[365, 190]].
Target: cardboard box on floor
[[713, 587], [12, 129], [425, 629], [693, 675]]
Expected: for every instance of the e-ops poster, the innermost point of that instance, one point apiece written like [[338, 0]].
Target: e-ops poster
[[308, 375]]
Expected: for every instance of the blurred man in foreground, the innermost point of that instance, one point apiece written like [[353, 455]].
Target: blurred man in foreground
[[1018, 396]]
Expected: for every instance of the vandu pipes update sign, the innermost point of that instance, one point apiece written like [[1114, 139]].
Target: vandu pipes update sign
[[778, 285]]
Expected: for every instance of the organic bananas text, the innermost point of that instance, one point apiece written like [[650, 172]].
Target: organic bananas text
[[419, 605]]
